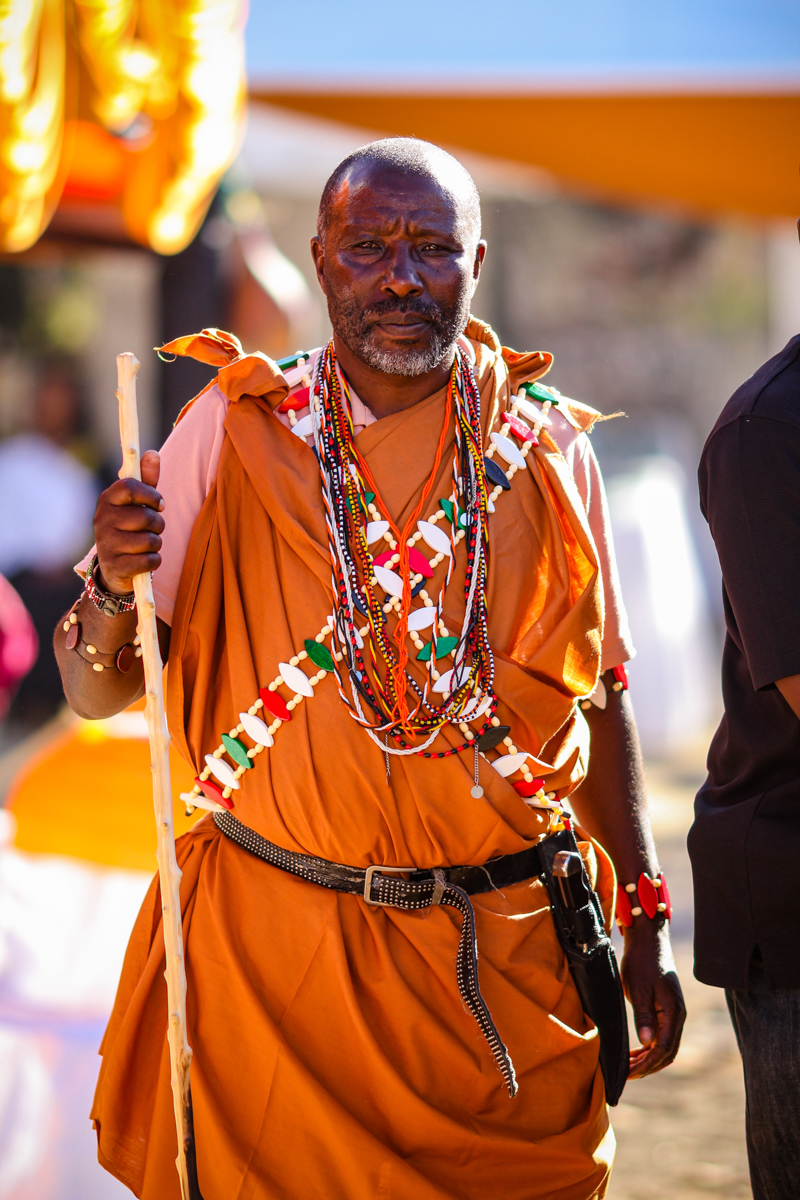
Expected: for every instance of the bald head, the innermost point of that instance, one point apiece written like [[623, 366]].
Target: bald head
[[411, 157]]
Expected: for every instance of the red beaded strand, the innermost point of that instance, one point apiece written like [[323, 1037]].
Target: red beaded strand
[[346, 480]]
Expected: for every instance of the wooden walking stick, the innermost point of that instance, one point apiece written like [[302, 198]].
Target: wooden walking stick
[[169, 874]]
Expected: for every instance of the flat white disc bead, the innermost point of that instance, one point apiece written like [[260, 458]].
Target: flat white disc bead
[[296, 679], [256, 729], [421, 618], [508, 450], [224, 773], [507, 764], [390, 581], [375, 530], [305, 427], [437, 539], [533, 412]]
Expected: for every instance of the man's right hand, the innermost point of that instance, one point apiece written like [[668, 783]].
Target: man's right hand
[[128, 527]]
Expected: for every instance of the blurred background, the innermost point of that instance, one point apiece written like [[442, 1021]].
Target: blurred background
[[160, 168]]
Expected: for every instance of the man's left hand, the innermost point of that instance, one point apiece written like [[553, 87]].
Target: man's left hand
[[652, 987]]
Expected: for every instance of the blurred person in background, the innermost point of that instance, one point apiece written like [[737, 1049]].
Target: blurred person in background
[[745, 841], [335, 1048], [19, 645], [47, 499]]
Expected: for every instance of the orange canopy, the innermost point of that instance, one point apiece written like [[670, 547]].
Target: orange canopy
[[706, 151]]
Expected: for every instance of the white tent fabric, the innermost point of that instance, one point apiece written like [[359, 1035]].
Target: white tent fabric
[[64, 925], [674, 677]]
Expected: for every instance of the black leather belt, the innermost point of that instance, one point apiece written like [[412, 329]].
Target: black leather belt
[[412, 888]]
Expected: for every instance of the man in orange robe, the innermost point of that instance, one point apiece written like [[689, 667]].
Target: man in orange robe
[[334, 1054]]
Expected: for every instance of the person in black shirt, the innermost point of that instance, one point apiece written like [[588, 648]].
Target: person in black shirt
[[745, 840]]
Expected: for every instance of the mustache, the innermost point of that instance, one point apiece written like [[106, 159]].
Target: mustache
[[385, 308]]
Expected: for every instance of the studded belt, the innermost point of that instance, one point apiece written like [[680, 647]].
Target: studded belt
[[412, 888]]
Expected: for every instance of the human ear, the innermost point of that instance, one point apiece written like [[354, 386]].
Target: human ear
[[480, 254], [318, 255]]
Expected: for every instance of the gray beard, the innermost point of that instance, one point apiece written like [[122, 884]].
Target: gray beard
[[352, 325], [404, 362]]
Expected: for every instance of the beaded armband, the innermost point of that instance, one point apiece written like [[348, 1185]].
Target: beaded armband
[[653, 900], [110, 606], [599, 697], [121, 659]]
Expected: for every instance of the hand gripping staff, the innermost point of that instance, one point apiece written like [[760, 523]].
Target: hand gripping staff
[[169, 874]]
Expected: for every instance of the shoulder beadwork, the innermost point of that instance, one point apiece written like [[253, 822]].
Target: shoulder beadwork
[[297, 371], [581, 416], [292, 361]]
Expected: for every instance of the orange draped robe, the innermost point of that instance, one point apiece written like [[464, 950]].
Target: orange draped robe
[[333, 1057]]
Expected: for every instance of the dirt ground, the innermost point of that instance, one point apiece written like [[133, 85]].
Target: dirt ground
[[680, 1134]]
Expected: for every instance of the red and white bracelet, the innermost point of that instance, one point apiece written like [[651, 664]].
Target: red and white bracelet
[[653, 897]]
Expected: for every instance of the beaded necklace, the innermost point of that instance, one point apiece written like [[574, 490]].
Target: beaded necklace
[[359, 579], [491, 735]]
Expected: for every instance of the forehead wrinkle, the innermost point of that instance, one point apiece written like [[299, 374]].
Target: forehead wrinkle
[[442, 216], [399, 181], [417, 222]]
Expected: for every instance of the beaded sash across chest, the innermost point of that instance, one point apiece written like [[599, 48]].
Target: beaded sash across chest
[[370, 664]]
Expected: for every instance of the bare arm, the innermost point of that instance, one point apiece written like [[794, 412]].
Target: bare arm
[[127, 525], [611, 805]]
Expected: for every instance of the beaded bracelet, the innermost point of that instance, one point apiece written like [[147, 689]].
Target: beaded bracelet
[[653, 897], [110, 606]]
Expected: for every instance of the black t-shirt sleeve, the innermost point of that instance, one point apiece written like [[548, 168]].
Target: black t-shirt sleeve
[[750, 489]]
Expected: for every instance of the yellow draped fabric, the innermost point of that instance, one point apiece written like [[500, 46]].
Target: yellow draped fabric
[[86, 791], [175, 65]]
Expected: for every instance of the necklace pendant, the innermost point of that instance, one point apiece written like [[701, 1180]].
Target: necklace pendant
[[476, 791]]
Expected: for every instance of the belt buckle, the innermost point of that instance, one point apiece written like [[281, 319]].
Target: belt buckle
[[383, 871]]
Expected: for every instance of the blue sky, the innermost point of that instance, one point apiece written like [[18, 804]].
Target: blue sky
[[523, 39]]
